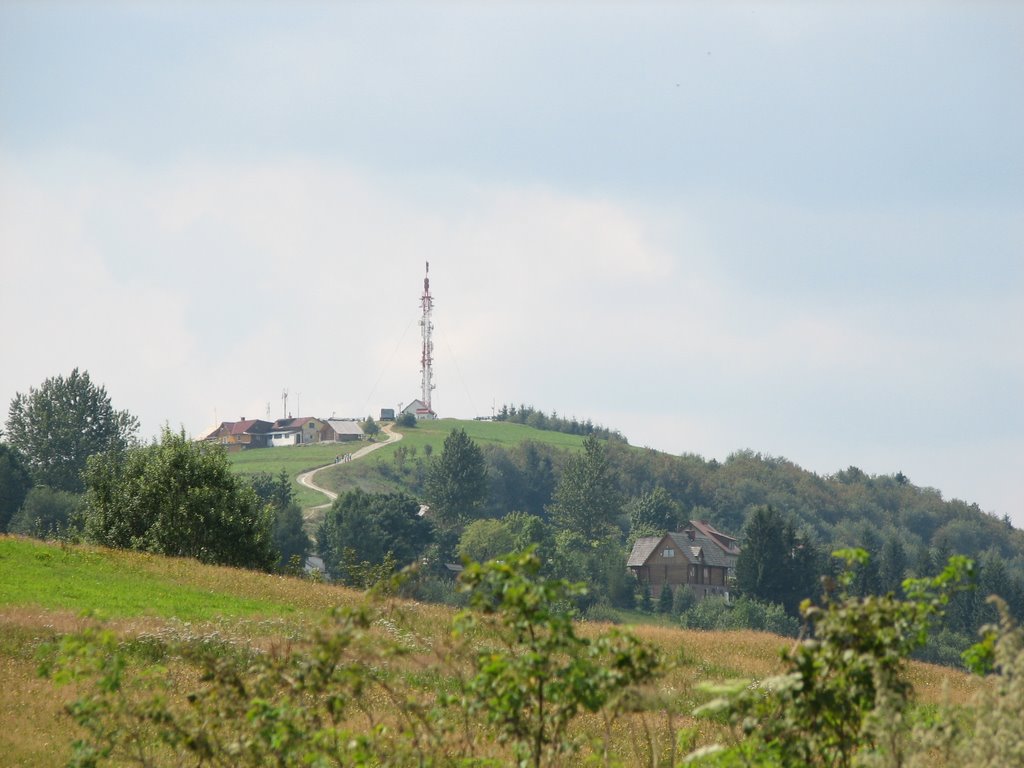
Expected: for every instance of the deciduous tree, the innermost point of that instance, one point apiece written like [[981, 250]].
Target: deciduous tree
[[586, 499], [366, 528], [652, 513], [60, 425], [179, 498]]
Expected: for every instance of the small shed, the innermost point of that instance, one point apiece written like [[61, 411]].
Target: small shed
[[341, 430]]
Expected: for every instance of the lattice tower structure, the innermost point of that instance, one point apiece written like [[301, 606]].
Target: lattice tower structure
[[426, 330]]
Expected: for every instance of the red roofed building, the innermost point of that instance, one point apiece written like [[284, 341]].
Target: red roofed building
[[239, 435]]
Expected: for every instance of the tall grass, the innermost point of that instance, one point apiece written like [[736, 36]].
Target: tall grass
[[152, 601]]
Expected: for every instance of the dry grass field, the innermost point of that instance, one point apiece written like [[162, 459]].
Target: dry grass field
[[45, 590]]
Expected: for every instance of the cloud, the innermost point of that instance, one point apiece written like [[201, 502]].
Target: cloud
[[211, 284], [199, 292]]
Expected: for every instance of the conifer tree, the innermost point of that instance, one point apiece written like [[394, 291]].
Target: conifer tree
[[457, 482]]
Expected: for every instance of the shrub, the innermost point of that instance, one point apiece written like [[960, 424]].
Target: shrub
[[845, 692], [177, 498], [683, 600], [665, 599], [47, 514]]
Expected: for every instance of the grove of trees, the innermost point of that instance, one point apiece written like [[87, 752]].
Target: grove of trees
[[363, 532]]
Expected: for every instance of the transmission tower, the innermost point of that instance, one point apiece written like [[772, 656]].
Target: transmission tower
[[427, 358]]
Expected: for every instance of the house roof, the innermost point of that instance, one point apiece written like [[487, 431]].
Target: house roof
[[691, 549], [642, 549], [245, 426], [700, 544], [285, 425], [251, 426], [416, 406], [345, 426], [724, 540]]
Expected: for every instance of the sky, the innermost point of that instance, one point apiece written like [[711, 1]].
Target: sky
[[794, 228]]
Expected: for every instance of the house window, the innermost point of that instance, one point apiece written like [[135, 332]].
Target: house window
[[668, 553]]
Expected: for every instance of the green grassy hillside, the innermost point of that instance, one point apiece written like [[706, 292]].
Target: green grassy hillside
[[362, 473], [150, 601]]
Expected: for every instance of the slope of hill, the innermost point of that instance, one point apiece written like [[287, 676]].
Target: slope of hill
[[906, 529], [152, 603], [848, 508]]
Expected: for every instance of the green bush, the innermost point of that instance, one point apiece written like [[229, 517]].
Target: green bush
[[178, 498], [48, 514], [844, 696]]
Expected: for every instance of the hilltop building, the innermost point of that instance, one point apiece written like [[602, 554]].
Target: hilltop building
[[256, 433]]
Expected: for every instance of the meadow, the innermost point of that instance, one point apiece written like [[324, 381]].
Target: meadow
[[48, 590], [417, 441], [294, 460], [429, 436]]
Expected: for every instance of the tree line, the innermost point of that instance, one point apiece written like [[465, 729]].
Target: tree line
[[532, 417]]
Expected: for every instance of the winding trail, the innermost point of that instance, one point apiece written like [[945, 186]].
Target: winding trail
[[306, 478]]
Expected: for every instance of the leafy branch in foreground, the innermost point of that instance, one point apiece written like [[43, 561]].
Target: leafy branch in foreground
[[541, 674], [362, 691], [845, 694]]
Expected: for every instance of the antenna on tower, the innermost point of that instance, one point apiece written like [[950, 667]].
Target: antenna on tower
[[268, 409], [284, 403], [427, 356]]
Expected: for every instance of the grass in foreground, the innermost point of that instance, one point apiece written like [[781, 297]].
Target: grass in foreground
[[44, 587]]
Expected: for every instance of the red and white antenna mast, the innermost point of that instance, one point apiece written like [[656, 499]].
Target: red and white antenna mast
[[426, 328]]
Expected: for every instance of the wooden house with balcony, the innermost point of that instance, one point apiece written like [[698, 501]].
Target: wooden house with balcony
[[690, 558]]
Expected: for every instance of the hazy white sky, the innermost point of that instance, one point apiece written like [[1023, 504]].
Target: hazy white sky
[[796, 228]]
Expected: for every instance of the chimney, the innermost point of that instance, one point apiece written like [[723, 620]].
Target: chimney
[[692, 534]]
